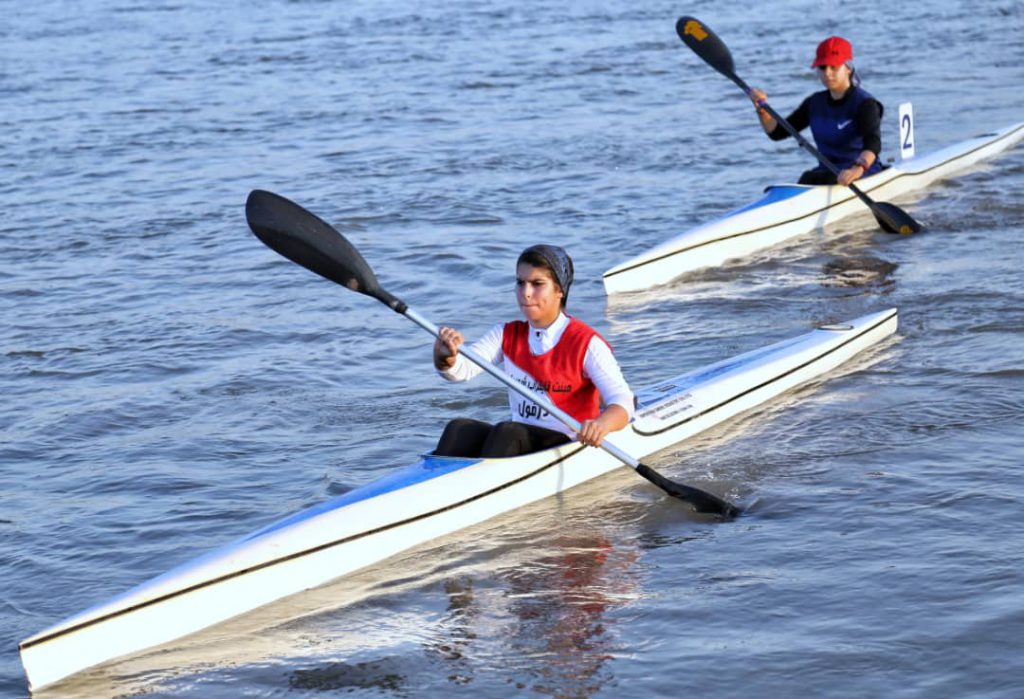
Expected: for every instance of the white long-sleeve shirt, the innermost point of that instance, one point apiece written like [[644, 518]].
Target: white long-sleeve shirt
[[599, 365]]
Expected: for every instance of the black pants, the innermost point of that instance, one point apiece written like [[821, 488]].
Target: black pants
[[817, 176], [822, 176], [465, 437]]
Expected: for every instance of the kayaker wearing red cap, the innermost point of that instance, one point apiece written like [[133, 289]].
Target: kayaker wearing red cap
[[551, 353], [844, 118]]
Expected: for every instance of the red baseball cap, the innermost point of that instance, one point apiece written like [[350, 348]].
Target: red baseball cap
[[833, 51]]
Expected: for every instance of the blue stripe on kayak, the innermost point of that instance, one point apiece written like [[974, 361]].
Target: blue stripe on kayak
[[772, 195], [425, 469]]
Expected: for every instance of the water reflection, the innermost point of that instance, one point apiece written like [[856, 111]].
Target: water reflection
[[459, 622], [859, 271], [552, 614], [384, 674]]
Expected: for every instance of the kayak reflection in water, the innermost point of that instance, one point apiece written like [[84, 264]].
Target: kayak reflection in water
[[549, 352], [844, 118], [544, 624]]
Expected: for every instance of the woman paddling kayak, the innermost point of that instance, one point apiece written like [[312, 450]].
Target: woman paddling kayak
[[551, 353], [844, 118]]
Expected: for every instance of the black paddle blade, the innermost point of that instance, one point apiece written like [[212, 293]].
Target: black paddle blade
[[893, 219], [701, 500], [308, 240], [706, 44]]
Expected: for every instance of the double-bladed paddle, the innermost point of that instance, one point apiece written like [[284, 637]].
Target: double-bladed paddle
[[706, 44], [308, 240]]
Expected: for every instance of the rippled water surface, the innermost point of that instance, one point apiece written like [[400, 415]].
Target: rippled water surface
[[170, 384]]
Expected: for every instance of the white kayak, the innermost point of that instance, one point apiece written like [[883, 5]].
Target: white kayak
[[786, 211], [431, 498]]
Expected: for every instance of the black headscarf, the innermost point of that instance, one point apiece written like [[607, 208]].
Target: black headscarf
[[556, 259]]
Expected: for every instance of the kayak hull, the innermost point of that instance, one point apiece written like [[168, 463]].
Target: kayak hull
[[787, 211], [431, 498]]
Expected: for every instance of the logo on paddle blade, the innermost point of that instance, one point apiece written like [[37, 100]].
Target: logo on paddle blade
[[693, 28]]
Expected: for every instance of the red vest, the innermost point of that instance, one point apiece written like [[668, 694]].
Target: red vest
[[559, 371]]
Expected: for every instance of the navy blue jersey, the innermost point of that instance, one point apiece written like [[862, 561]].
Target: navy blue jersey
[[842, 128]]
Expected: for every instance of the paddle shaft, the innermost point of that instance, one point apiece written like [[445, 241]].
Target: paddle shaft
[[563, 417], [807, 145], [701, 500], [888, 215]]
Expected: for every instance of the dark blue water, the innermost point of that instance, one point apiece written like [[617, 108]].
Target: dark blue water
[[169, 384]]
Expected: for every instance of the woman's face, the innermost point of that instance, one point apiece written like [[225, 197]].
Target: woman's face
[[835, 78], [538, 295]]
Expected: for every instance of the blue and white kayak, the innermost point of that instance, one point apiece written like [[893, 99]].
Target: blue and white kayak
[[431, 498], [786, 211]]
